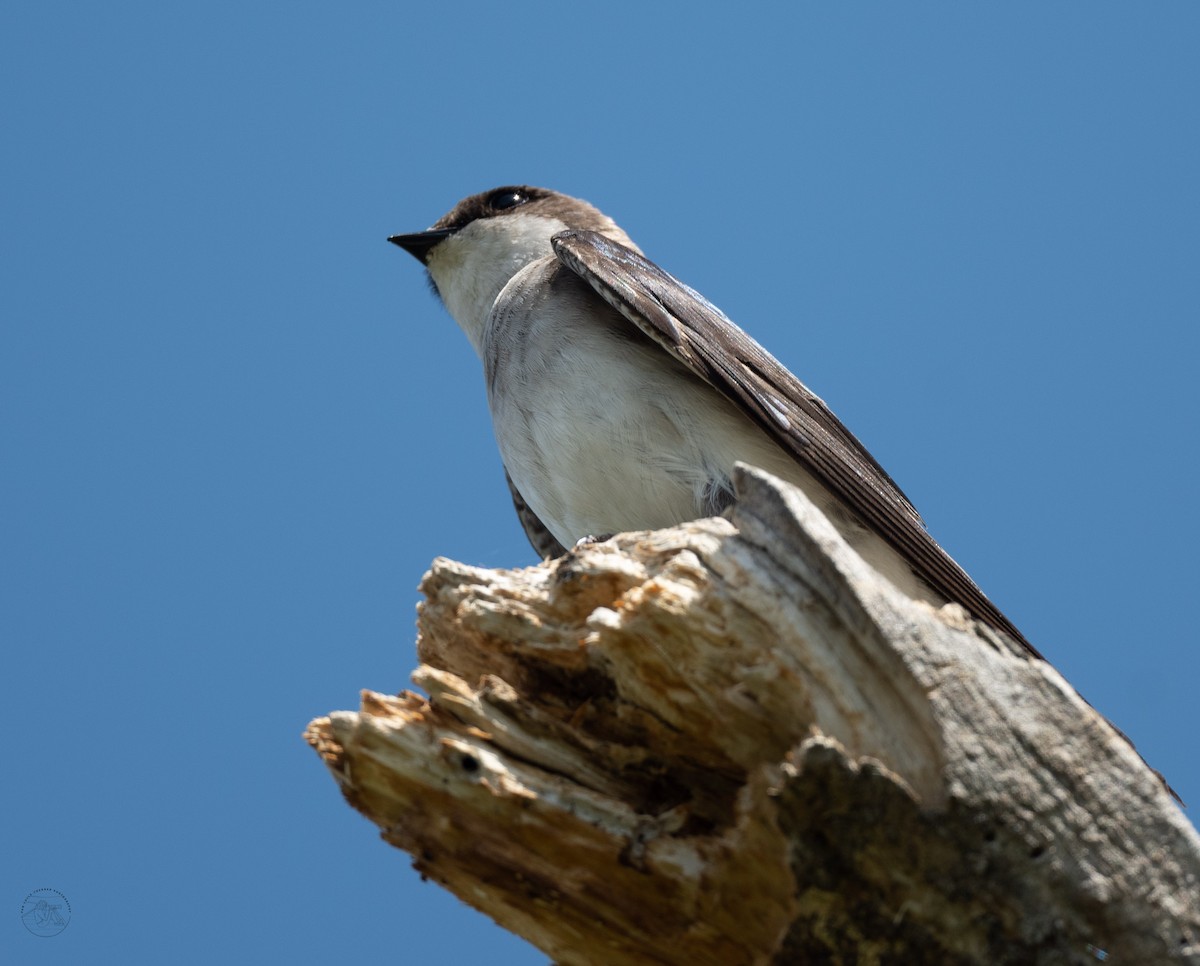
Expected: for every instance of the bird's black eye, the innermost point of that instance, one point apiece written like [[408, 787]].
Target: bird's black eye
[[506, 198]]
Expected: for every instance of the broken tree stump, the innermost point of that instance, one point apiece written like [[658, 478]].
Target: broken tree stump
[[733, 742]]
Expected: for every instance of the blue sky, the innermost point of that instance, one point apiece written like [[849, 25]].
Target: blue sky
[[236, 428]]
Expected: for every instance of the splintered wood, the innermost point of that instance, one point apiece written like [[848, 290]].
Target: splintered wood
[[732, 742]]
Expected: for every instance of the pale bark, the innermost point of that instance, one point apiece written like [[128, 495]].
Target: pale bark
[[733, 742]]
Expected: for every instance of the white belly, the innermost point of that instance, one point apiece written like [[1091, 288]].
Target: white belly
[[603, 433], [602, 449]]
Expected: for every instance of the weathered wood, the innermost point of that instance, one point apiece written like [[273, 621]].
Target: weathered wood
[[733, 742]]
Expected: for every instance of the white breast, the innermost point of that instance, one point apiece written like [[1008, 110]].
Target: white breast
[[603, 432]]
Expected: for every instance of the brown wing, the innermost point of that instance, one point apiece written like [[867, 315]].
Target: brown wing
[[703, 338], [542, 539]]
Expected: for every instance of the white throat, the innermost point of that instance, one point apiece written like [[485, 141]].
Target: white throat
[[473, 265]]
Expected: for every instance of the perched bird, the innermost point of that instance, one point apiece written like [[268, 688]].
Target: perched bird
[[621, 398]]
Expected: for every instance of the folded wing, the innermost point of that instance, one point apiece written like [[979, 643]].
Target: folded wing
[[703, 338]]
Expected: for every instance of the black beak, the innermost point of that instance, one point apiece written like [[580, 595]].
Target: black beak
[[420, 244]]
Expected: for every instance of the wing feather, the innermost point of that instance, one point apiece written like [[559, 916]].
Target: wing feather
[[543, 541], [703, 338]]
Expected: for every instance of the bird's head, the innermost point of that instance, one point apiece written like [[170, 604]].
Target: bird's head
[[473, 250]]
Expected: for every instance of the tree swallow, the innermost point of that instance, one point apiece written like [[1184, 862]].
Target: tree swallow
[[621, 398]]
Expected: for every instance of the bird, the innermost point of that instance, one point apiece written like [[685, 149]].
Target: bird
[[621, 398]]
